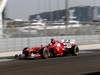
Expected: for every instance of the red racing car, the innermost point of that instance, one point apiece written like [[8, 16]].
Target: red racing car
[[54, 49]]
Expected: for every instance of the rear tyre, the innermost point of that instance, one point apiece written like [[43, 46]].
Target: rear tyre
[[44, 53], [75, 51]]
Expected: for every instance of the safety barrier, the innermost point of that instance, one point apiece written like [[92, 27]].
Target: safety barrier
[[16, 44]]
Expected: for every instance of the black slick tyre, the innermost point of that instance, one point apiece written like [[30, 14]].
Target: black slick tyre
[[44, 53], [75, 51]]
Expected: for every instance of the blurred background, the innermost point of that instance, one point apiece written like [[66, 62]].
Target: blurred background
[[51, 17]]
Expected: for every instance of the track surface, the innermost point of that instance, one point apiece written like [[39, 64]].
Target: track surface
[[84, 64]]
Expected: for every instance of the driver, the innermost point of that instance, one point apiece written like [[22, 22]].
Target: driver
[[53, 41]]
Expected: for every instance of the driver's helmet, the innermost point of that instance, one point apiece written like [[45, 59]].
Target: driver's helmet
[[52, 41]]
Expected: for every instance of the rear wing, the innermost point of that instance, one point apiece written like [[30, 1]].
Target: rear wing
[[72, 41]]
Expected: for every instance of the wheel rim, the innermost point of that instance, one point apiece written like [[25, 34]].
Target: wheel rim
[[45, 53]]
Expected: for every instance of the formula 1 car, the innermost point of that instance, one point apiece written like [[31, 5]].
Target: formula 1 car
[[51, 50]]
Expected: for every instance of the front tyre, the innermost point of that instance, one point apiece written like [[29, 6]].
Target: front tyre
[[75, 50], [44, 53], [16, 56]]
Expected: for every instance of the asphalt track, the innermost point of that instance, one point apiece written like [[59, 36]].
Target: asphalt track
[[87, 63]]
